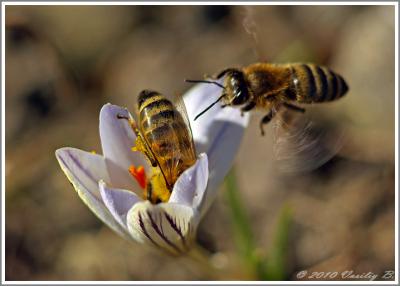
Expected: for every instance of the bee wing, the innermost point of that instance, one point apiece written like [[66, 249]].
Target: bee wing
[[181, 108], [181, 150], [301, 145]]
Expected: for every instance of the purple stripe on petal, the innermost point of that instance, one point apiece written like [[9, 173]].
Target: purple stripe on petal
[[84, 167], [161, 233], [80, 182], [160, 220], [79, 165], [172, 223], [144, 231], [153, 224]]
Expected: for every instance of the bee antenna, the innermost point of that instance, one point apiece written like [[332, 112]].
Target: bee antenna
[[211, 105], [205, 81]]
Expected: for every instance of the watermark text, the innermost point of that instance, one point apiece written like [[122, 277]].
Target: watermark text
[[344, 275]]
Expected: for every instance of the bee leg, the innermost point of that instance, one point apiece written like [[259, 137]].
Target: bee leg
[[247, 107], [119, 116], [294, 107], [267, 118], [131, 122], [149, 191], [141, 146]]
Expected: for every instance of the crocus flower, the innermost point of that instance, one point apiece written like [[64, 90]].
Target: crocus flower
[[104, 184]]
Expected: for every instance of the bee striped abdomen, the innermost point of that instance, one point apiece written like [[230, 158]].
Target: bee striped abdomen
[[157, 119], [313, 83], [161, 138]]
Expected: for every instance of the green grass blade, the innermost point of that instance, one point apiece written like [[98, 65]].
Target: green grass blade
[[276, 260], [241, 227]]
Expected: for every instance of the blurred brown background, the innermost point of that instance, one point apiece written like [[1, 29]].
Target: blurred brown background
[[64, 62]]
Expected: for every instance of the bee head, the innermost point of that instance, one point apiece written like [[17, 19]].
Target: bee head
[[236, 88], [235, 91]]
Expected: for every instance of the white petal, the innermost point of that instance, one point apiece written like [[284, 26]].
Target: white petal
[[84, 170], [117, 138], [191, 184], [118, 201], [167, 226], [199, 98], [218, 132], [221, 152]]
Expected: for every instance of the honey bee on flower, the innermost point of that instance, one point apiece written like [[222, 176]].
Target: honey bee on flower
[[112, 185], [162, 133]]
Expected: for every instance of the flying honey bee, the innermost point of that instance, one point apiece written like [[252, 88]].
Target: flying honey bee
[[164, 136], [272, 86], [300, 145]]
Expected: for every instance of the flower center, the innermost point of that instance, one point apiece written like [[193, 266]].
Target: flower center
[[154, 188]]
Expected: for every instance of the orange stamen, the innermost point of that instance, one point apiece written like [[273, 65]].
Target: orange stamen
[[139, 174]]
